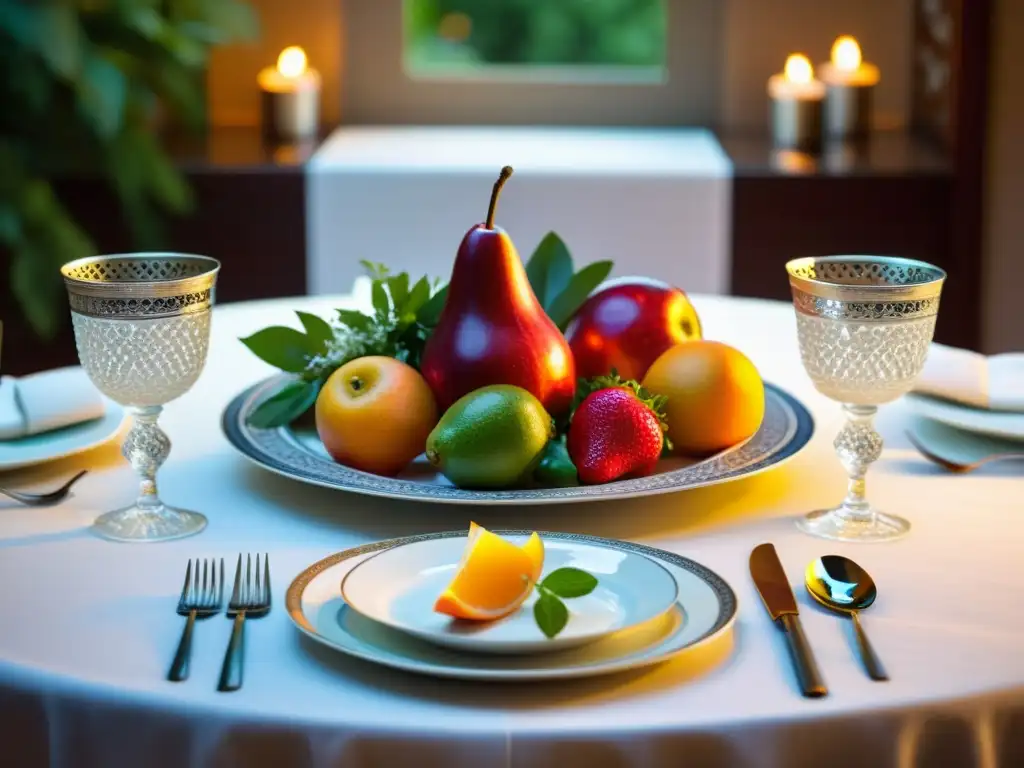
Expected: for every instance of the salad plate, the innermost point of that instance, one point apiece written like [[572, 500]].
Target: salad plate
[[398, 586], [1006, 425], [705, 609], [64, 442], [297, 453]]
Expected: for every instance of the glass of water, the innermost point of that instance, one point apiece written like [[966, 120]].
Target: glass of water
[[142, 327], [864, 325]]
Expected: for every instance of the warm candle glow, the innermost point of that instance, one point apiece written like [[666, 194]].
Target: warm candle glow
[[846, 54], [292, 61], [798, 69]]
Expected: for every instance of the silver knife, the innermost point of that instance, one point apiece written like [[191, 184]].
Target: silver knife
[[771, 582]]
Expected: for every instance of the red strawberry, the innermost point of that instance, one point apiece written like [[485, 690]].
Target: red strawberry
[[617, 431]]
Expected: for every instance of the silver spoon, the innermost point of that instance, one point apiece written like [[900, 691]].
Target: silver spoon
[[42, 499], [840, 584], [956, 466]]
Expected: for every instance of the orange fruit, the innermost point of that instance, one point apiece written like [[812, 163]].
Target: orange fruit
[[494, 576], [715, 396], [374, 414]]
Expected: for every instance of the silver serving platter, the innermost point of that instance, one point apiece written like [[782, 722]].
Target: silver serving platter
[[298, 453]]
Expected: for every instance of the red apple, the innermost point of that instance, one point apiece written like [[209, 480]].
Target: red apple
[[627, 326]]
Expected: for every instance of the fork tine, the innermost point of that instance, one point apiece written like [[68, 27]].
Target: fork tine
[[195, 579], [220, 593], [266, 577], [259, 590], [188, 580], [206, 573], [211, 590], [248, 579], [236, 592]]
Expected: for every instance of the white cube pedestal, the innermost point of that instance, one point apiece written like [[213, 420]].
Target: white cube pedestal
[[656, 202]]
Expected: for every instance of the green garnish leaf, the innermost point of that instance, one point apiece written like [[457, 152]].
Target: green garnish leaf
[[398, 287], [318, 331], [564, 306], [282, 347], [551, 614], [430, 313], [294, 399], [549, 269], [418, 296], [570, 582], [355, 319], [381, 302], [375, 271]]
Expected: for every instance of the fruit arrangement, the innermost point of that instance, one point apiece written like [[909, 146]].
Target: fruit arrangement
[[511, 375]]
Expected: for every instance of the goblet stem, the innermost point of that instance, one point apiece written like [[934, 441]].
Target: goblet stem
[[858, 445], [146, 447]]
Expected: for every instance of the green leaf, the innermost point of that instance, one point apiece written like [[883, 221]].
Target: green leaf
[[101, 90], [318, 331], [398, 287], [50, 30], [355, 320], [430, 313], [580, 287], [418, 296], [549, 269], [282, 347], [10, 225], [375, 271], [551, 614], [381, 303], [570, 582], [293, 400]]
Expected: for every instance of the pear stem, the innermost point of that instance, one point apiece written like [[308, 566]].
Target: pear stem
[[502, 178]]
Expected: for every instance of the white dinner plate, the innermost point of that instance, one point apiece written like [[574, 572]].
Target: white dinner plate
[[1008, 426], [398, 587], [706, 609], [64, 442]]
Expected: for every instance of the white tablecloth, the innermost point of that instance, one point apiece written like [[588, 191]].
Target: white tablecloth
[[87, 627]]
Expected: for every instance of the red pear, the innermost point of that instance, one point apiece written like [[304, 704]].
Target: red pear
[[492, 329]]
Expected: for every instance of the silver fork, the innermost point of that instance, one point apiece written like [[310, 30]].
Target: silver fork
[[246, 601], [198, 600]]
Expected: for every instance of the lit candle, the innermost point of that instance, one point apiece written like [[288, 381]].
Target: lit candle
[[850, 83], [796, 98], [290, 97]]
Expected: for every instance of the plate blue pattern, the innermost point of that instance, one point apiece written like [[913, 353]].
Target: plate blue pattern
[[786, 429]]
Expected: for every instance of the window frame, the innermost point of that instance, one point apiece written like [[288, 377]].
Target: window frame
[[376, 89]]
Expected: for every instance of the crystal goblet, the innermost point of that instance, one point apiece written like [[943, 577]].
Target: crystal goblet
[[864, 325], [142, 327]]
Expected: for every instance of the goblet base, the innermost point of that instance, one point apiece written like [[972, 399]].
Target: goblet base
[[148, 524], [833, 524]]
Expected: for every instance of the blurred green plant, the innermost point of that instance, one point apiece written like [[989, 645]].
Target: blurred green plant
[[84, 87], [543, 32]]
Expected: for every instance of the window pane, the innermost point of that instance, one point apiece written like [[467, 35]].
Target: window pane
[[471, 35]]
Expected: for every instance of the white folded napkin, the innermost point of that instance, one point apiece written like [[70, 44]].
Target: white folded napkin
[[47, 400], [995, 383]]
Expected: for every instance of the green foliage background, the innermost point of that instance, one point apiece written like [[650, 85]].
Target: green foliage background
[[551, 32], [83, 85]]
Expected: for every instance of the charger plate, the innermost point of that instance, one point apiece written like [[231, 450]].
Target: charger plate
[[297, 453], [706, 609]]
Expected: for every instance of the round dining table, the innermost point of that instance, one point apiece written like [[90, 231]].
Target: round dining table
[[88, 626]]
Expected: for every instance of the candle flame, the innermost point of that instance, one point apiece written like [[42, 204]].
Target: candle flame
[[292, 61], [846, 53], [798, 69]]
